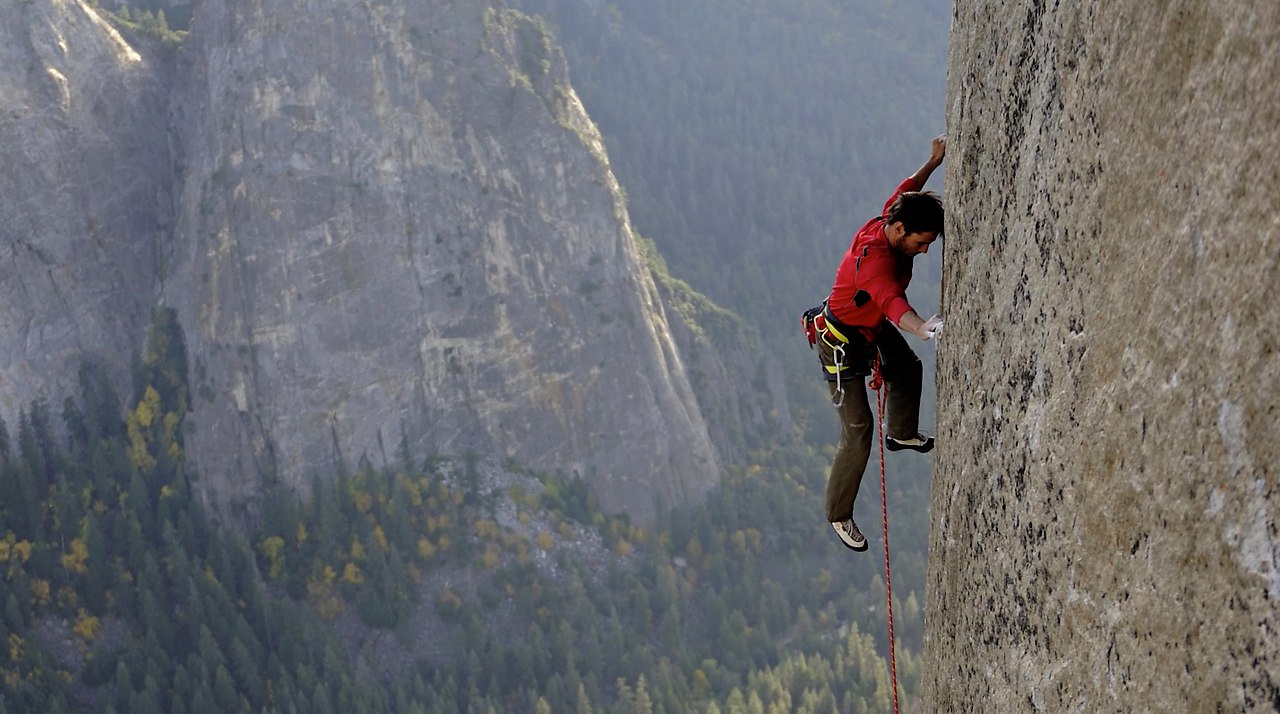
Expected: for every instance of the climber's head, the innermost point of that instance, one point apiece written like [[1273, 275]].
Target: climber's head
[[913, 222]]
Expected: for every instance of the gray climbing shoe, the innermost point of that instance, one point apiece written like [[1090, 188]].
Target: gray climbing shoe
[[921, 442], [850, 535]]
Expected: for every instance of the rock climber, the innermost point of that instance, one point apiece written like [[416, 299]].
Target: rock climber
[[870, 293]]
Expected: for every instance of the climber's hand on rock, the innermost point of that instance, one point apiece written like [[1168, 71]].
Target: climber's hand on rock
[[938, 149], [930, 328]]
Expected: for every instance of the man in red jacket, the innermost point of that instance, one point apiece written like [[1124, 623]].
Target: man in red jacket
[[870, 293]]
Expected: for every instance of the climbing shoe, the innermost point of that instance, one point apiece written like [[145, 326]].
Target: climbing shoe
[[921, 442], [850, 535]]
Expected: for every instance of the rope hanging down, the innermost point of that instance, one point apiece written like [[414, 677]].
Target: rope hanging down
[[877, 384]]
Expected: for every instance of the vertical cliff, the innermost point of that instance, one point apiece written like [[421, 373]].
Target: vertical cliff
[[386, 227], [83, 196], [398, 225], [1105, 503]]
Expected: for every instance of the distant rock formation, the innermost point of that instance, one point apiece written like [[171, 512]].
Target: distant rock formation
[[386, 228], [398, 224], [1105, 500], [84, 180]]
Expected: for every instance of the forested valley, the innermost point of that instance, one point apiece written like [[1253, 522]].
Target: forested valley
[[437, 585]]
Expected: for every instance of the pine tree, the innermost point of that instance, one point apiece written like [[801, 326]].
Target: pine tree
[[123, 688], [77, 427], [584, 703], [320, 703], [203, 702], [47, 456], [643, 704], [224, 690], [102, 405], [6, 451], [27, 511]]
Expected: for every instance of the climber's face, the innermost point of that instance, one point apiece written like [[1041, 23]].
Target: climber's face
[[918, 243], [908, 244]]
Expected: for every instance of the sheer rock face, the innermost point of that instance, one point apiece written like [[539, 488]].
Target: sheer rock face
[[399, 230], [387, 227], [83, 197], [1105, 502]]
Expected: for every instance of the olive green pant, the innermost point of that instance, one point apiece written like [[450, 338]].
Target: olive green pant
[[902, 374]]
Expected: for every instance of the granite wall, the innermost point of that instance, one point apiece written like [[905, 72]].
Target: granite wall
[[1105, 501]]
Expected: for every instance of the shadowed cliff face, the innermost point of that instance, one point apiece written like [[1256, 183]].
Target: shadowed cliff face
[[83, 197], [1105, 500], [399, 226]]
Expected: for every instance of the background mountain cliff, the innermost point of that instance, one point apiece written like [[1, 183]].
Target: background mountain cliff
[[399, 230], [384, 228], [84, 196], [1105, 502]]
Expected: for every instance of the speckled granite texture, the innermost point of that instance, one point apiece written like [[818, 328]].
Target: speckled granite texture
[[1105, 502]]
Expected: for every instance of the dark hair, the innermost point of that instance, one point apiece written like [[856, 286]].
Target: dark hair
[[918, 211]]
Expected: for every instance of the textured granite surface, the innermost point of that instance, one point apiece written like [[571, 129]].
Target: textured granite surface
[[1105, 501]]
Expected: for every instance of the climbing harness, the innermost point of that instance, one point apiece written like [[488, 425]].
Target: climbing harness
[[877, 385], [851, 353], [850, 349]]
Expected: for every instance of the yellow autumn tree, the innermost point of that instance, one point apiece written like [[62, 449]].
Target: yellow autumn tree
[[272, 548], [171, 422], [491, 556], [321, 595], [87, 626], [40, 591], [75, 560], [426, 551], [546, 541], [137, 422], [351, 574]]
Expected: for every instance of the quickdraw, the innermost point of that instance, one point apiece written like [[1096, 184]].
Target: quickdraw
[[837, 353]]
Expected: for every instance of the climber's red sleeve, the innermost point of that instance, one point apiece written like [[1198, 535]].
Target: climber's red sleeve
[[878, 276]]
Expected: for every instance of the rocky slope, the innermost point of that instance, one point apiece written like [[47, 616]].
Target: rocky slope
[[399, 225], [385, 227], [83, 196], [1105, 499]]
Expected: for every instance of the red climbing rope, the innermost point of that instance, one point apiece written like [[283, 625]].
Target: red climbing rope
[[877, 384]]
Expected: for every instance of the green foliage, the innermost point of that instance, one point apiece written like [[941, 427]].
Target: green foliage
[[148, 18], [718, 605]]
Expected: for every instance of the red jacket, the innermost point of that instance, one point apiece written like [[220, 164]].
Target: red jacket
[[870, 265]]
